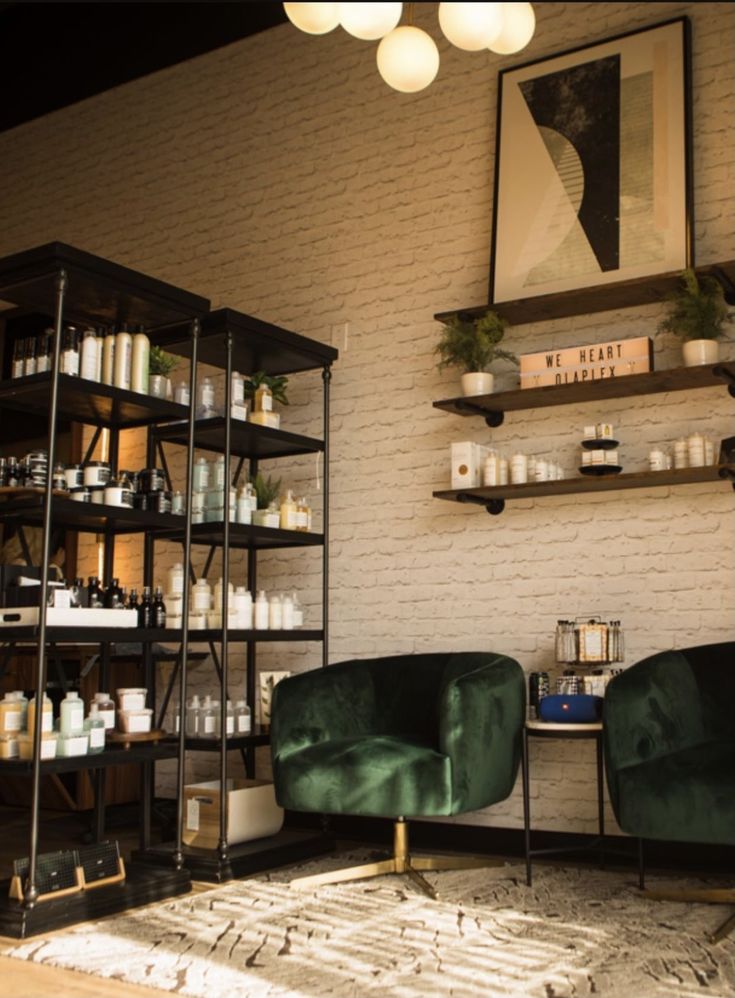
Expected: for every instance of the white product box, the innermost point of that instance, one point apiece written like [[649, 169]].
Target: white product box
[[252, 812], [467, 459], [27, 616]]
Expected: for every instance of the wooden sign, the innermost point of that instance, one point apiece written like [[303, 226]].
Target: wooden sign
[[614, 359]]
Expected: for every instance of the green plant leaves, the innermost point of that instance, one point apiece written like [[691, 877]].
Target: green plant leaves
[[472, 345], [697, 309]]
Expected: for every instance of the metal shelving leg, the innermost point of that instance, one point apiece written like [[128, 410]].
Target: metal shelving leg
[[326, 379], [224, 650]]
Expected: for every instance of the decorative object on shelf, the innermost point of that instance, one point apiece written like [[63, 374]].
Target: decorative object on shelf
[[697, 314], [268, 513], [592, 362], [263, 390], [538, 688], [570, 708], [472, 344], [578, 136], [599, 451], [589, 639], [407, 56], [161, 366]]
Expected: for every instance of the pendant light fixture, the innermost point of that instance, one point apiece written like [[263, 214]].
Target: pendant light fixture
[[408, 59]]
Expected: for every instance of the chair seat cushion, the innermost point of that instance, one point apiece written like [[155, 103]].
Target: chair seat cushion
[[379, 775], [686, 796]]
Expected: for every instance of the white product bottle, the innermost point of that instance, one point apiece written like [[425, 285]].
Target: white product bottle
[[176, 580], [108, 358], [208, 718], [201, 475], [275, 613], [201, 597], [243, 605], [205, 399], [192, 725], [287, 613], [298, 612], [72, 714], [243, 720], [123, 359], [218, 594], [244, 512], [106, 709], [100, 354], [261, 613], [181, 393], [140, 362], [230, 719], [88, 364], [95, 728]]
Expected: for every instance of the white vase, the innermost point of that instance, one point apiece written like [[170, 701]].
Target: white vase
[[477, 383], [157, 385], [697, 352]]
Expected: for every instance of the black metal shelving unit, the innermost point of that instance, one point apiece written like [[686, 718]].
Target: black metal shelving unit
[[71, 285], [233, 341]]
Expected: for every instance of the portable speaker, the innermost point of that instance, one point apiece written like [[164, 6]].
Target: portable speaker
[[57, 873], [570, 708], [101, 864]]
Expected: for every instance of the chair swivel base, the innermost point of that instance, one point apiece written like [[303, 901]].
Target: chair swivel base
[[400, 862], [716, 895]]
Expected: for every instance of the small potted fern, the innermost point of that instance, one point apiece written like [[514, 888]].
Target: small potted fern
[[697, 314], [267, 491], [472, 344], [160, 368]]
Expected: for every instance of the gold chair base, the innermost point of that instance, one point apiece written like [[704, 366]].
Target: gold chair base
[[400, 862], [715, 895]]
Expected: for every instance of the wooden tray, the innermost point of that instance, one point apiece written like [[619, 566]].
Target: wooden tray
[[128, 738]]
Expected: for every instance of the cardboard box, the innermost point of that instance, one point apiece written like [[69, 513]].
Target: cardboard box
[[27, 616], [252, 812]]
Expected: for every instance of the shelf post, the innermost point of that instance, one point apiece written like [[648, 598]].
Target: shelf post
[[326, 378], [30, 893], [178, 855], [225, 608]]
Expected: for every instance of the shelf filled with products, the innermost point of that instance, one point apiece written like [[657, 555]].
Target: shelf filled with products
[[233, 342], [493, 408], [72, 288]]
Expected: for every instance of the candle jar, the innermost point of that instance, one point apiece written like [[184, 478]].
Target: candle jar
[[519, 469], [695, 450]]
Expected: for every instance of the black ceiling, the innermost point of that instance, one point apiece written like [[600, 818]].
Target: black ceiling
[[54, 54]]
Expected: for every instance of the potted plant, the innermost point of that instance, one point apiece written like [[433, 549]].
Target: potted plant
[[267, 492], [472, 344], [160, 366], [263, 390], [697, 314]]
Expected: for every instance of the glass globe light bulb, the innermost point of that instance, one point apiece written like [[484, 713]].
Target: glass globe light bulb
[[519, 24], [369, 21], [471, 26], [408, 59], [313, 18]]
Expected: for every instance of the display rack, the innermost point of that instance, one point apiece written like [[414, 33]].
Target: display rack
[[66, 284], [233, 341]]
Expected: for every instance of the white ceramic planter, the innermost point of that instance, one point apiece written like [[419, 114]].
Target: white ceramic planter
[[477, 383], [697, 352], [159, 386]]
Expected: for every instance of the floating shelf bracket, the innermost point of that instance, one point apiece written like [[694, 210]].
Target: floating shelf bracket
[[727, 375], [728, 473], [493, 418], [492, 506]]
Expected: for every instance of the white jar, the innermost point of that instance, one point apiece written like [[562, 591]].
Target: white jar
[[275, 613], [244, 511], [519, 469], [218, 593], [709, 451], [288, 614], [242, 604], [657, 460], [681, 453], [261, 614], [503, 471], [181, 393], [205, 399], [201, 597], [542, 469], [201, 475], [490, 470], [695, 450]]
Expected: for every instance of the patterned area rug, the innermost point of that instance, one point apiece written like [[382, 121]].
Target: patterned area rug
[[575, 933]]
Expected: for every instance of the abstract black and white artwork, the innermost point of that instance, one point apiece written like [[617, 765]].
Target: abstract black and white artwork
[[592, 183]]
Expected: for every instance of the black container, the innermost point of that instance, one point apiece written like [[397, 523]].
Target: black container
[[152, 480], [159, 502]]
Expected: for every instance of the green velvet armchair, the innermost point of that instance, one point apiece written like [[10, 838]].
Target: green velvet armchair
[[407, 735], [669, 742]]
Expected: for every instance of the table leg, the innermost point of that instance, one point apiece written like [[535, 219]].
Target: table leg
[[526, 805], [600, 799]]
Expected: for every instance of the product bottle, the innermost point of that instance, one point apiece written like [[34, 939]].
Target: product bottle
[[88, 367], [43, 351], [100, 354], [133, 603], [105, 708], [21, 699], [243, 603], [11, 715], [242, 718], [230, 719], [145, 610], [181, 393], [302, 514], [30, 365], [72, 714], [263, 399], [208, 719], [159, 609], [76, 593], [288, 512], [70, 351], [261, 611], [114, 596], [287, 602], [108, 357], [205, 399], [19, 352], [95, 596], [176, 580], [47, 715], [123, 358], [201, 475], [95, 727], [140, 362], [193, 718], [298, 613], [275, 613]]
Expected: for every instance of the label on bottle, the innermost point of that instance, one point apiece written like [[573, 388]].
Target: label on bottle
[[209, 724], [11, 720], [43, 363], [230, 725], [89, 358], [96, 737], [123, 361], [108, 716], [108, 360], [243, 723], [70, 362], [18, 368], [207, 395], [192, 814], [30, 366]]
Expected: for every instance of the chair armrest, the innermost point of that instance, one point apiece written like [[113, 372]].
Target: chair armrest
[[481, 717], [322, 704]]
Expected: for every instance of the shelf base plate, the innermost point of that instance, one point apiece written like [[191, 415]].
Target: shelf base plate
[[288, 846], [143, 885]]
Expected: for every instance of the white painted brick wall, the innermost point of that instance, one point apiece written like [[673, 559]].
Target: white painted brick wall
[[281, 177]]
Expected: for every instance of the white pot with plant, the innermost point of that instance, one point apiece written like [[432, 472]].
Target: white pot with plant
[[472, 345], [160, 368], [267, 491], [697, 314], [264, 390]]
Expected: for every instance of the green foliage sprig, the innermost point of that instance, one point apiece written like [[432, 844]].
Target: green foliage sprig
[[161, 362], [697, 309], [472, 344], [266, 489], [276, 383]]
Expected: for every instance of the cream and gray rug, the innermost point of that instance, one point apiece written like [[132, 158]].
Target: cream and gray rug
[[575, 933]]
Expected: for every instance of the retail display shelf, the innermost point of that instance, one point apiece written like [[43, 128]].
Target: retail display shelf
[[247, 536], [119, 756], [94, 518], [88, 402], [246, 439], [257, 736]]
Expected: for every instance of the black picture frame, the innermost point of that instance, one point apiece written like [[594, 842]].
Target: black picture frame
[[593, 171]]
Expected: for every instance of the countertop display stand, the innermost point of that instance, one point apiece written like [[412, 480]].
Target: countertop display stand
[[233, 341], [69, 284]]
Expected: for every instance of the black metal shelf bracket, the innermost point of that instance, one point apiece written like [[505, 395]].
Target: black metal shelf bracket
[[493, 418], [727, 375], [492, 506], [728, 473]]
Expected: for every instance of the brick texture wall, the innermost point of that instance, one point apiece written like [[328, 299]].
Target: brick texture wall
[[281, 177]]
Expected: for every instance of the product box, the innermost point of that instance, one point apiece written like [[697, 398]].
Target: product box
[[252, 812], [27, 616], [12, 592], [467, 459]]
